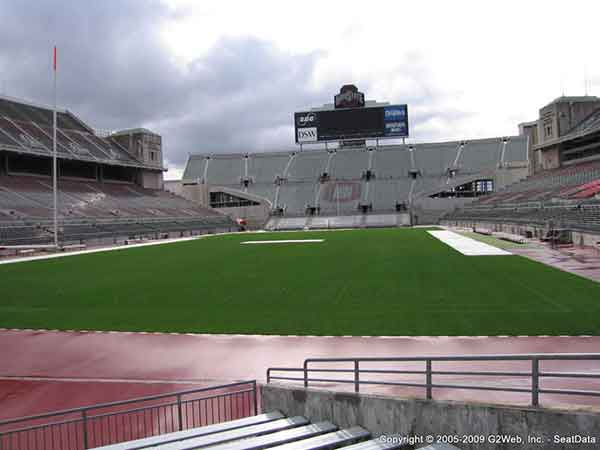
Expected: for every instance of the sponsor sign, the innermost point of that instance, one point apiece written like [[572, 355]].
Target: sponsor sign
[[395, 119], [308, 134], [304, 120], [394, 113]]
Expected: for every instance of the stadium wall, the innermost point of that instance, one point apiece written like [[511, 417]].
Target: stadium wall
[[397, 417], [151, 179], [255, 216]]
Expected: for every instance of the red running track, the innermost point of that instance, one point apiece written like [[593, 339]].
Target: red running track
[[43, 371]]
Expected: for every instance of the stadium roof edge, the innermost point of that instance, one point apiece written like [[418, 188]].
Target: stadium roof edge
[[30, 103], [134, 130], [380, 148], [574, 98]]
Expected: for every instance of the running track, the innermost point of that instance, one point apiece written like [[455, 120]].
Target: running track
[[43, 371]]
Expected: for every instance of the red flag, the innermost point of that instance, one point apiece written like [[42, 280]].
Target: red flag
[[55, 58]]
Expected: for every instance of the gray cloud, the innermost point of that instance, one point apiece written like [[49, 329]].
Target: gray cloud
[[114, 72]]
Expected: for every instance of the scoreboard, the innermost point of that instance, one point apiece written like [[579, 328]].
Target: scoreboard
[[351, 123]]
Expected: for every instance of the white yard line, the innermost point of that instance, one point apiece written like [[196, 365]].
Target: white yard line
[[466, 245], [285, 241]]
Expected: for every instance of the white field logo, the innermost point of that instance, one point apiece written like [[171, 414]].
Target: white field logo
[[307, 134]]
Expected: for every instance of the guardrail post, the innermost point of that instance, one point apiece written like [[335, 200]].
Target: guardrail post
[[85, 434], [179, 412], [268, 375], [428, 379], [535, 382], [305, 373], [255, 391], [356, 376]]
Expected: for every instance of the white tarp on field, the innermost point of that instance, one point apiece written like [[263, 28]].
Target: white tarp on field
[[466, 245]]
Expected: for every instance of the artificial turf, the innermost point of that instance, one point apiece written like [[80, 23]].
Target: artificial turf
[[359, 282]]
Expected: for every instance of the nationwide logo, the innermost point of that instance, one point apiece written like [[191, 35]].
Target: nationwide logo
[[349, 97], [394, 114], [307, 134]]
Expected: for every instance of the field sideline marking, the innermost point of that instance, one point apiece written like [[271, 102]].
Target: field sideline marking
[[466, 245], [301, 336], [103, 249], [285, 241]]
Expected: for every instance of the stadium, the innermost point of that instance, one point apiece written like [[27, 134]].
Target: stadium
[[442, 294]]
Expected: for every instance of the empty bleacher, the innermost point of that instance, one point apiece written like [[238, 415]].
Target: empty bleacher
[[375, 220], [272, 430], [94, 210], [566, 197], [97, 194], [334, 181]]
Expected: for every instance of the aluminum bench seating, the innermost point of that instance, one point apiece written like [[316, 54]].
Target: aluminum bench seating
[[268, 431], [234, 435], [335, 439], [195, 432], [264, 441]]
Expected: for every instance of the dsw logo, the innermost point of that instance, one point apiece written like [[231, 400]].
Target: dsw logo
[[307, 134]]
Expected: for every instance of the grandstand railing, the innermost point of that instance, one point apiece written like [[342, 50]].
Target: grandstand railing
[[534, 374], [110, 423]]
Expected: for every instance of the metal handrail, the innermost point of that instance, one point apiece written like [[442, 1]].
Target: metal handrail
[[125, 402], [86, 414], [535, 373]]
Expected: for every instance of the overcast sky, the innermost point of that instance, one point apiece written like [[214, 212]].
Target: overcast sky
[[220, 76]]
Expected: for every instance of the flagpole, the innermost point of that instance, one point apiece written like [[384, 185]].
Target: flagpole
[[54, 165]]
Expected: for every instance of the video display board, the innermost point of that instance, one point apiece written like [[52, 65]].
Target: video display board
[[351, 123]]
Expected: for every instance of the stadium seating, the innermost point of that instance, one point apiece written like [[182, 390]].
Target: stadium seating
[[271, 430], [93, 210], [335, 181], [335, 222], [31, 197], [567, 197]]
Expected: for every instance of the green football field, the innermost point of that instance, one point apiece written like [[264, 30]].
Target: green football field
[[360, 282]]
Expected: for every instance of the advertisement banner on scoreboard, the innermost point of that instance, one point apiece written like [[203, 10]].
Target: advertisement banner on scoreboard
[[308, 134], [395, 119]]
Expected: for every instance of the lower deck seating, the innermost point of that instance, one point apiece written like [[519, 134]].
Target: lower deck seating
[[271, 430], [567, 197], [31, 197], [92, 210], [577, 182], [585, 217], [333, 222]]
